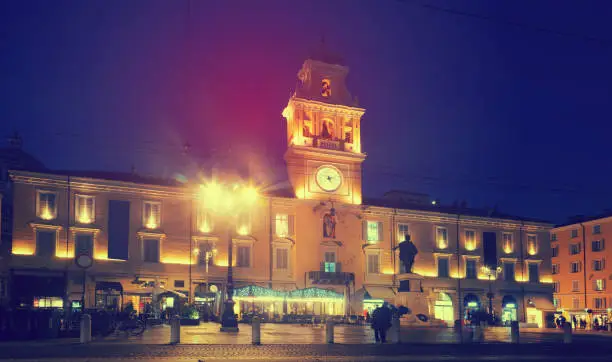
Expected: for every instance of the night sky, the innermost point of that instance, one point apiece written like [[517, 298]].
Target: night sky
[[495, 102]]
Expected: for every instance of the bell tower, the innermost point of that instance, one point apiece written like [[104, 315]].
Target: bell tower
[[323, 133]]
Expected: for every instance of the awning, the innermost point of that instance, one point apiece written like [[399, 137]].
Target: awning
[[173, 292], [384, 293], [109, 286], [540, 302]]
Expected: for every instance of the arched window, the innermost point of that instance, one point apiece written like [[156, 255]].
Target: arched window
[[326, 88], [327, 130]]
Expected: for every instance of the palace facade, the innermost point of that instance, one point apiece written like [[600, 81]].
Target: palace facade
[[318, 247]]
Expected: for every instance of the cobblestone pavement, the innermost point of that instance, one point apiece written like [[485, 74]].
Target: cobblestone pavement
[[208, 333], [306, 343]]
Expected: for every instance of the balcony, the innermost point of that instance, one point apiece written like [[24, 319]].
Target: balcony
[[331, 274], [328, 144]]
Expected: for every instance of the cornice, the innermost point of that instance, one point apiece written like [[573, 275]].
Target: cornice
[[333, 155], [301, 103], [98, 185]]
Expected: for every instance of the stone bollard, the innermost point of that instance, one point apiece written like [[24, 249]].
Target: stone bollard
[[85, 328], [175, 330], [394, 335], [514, 332], [256, 333], [567, 333], [329, 331]]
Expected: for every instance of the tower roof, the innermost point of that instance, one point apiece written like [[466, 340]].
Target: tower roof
[[322, 53]]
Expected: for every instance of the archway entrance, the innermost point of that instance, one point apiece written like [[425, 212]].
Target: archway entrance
[[471, 305], [443, 308], [509, 310]]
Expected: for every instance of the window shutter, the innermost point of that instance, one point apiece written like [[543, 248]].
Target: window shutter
[[364, 230], [603, 244], [291, 221], [603, 264], [380, 231]]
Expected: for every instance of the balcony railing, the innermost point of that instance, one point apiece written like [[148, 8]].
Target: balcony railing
[[329, 144], [330, 273]]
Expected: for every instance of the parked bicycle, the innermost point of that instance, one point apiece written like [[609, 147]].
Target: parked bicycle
[[131, 326]]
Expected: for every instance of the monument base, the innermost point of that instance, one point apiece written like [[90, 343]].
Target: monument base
[[410, 295]]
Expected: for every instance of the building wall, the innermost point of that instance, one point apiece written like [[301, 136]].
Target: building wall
[[307, 244], [586, 276]]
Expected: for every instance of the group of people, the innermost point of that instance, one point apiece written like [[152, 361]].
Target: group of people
[[582, 323]]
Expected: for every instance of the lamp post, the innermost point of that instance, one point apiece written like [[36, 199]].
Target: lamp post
[[491, 272], [228, 201]]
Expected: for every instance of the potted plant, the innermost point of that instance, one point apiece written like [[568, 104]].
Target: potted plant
[[190, 316]]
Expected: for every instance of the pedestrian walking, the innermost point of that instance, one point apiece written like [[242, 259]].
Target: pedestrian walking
[[381, 322]]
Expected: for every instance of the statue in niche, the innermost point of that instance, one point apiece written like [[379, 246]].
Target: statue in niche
[[407, 253], [329, 224], [328, 130]]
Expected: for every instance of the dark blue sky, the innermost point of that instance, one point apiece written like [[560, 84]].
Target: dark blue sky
[[457, 106]]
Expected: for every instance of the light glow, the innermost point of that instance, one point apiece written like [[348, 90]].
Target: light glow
[[46, 213], [472, 304], [175, 260], [151, 222], [63, 254], [22, 250], [388, 271], [243, 230]]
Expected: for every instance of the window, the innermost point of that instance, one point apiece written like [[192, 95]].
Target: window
[[556, 302], [282, 258], [574, 249], [599, 285], [599, 303], [555, 251], [556, 287], [118, 229], [329, 263], [532, 245], [47, 205], [84, 209], [575, 303], [326, 88], [534, 273], [48, 302], [402, 230], [283, 225], [244, 256], [179, 284], [470, 240], [84, 245], [597, 245], [206, 252], [575, 286], [374, 231], [555, 268], [508, 244], [575, 233], [575, 267], [243, 224], [151, 214], [45, 243], [470, 269], [373, 263], [151, 250], [509, 272], [441, 238], [204, 221], [596, 229], [443, 267], [598, 265], [553, 237]]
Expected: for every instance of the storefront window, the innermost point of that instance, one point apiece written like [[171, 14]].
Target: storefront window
[[48, 302]]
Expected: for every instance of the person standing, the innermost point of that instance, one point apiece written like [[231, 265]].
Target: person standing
[[381, 322]]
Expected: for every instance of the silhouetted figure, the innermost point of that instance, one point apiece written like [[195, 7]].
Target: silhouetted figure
[[407, 253], [381, 321]]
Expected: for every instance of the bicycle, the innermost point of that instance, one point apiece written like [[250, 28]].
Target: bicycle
[[132, 326]]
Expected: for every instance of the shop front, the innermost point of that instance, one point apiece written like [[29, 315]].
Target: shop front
[[540, 311], [109, 295], [372, 297], [38, 290], [273, 304], [443, 308], [509, 310], [471, 306]]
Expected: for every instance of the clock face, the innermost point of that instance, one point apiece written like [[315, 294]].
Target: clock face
[[84, 261], [328, 178]]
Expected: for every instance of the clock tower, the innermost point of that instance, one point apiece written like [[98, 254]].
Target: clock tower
[[323, 134]]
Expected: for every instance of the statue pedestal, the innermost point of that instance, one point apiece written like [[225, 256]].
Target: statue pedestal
[[410, 294]]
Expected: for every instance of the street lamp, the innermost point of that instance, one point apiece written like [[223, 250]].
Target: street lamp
[[228, 201], [491, 272], [208, 255]]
